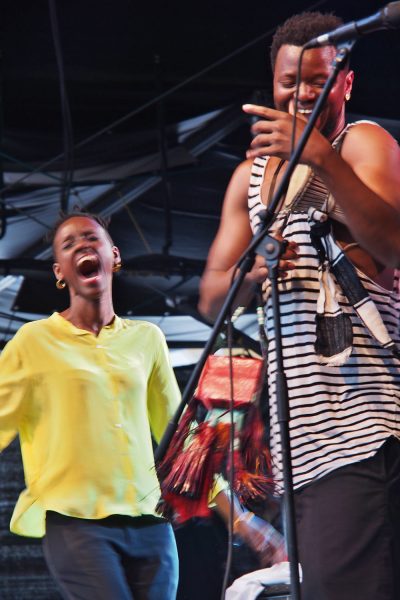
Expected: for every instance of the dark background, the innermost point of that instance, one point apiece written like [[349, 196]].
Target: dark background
[[108, 87], [132, 109]]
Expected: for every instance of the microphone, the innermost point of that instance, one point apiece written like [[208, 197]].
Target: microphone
[[386, 18]]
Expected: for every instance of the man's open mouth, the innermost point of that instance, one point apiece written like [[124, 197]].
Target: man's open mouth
[[304, 111]]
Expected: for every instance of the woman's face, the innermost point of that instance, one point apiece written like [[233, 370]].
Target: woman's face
[[316, 68], [84, 256]]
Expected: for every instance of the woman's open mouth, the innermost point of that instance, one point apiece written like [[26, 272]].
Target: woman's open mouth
[[88, 267]]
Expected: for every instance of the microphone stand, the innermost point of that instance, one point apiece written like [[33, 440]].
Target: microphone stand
[[271, 249]]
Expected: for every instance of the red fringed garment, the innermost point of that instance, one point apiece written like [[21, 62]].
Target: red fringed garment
[[199, 449]]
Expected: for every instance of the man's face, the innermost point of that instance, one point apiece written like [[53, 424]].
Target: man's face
[[316, 67]]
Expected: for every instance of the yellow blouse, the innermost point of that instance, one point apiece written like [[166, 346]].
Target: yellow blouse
[[84, 407]]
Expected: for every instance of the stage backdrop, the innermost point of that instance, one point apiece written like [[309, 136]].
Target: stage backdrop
[[23, 572]]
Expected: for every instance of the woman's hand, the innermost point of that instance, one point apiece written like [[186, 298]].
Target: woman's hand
[[261, 537]]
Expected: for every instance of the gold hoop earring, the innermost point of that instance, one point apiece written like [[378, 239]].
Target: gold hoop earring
[[117, 267], [60, 284], [347, 96]]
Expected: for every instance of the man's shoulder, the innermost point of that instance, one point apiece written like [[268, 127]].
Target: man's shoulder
[[368, 139], [360, 129], [244, 168], [237, 191]]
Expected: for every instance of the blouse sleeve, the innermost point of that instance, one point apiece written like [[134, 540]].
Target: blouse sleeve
[[13, 387], [163, 391]]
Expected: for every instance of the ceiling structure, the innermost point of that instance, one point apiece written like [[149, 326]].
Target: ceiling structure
[[134, 112]]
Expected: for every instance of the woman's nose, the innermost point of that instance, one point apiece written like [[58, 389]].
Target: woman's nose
[[82, 242]]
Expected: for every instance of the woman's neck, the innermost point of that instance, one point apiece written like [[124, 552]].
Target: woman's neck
[[90, 316]]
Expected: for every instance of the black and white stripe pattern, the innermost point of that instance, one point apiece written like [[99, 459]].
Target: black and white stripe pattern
[[338, 414]]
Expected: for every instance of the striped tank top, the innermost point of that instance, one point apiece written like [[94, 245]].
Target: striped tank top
[[338, 414]]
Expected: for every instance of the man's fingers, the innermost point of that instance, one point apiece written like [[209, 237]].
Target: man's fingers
[[260, 111], [290, 254]]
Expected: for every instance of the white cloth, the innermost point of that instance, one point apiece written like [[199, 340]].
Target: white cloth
[[249, 586]]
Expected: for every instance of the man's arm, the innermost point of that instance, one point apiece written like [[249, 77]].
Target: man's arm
[[365, 181], [233, 236], [364, 178], [232, 239]]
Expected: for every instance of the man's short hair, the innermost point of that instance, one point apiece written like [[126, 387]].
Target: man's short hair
[[300, 29]]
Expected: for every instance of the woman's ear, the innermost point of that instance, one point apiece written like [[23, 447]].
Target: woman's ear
[[57, 271], [117, 259]]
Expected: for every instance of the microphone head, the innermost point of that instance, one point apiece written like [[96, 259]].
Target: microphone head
[[386, 18], [391, 15]]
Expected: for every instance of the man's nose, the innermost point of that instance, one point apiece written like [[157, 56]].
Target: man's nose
[[306, 91]]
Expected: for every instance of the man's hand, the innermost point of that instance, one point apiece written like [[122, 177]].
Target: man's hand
[[259, 271], [273, 135]]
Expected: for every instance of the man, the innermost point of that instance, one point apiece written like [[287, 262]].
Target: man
[[340, 359]]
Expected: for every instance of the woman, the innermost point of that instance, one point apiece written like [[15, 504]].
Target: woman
[[85, 390]]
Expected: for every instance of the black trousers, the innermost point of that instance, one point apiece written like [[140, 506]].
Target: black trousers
[[348, 528], [116, 558]]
